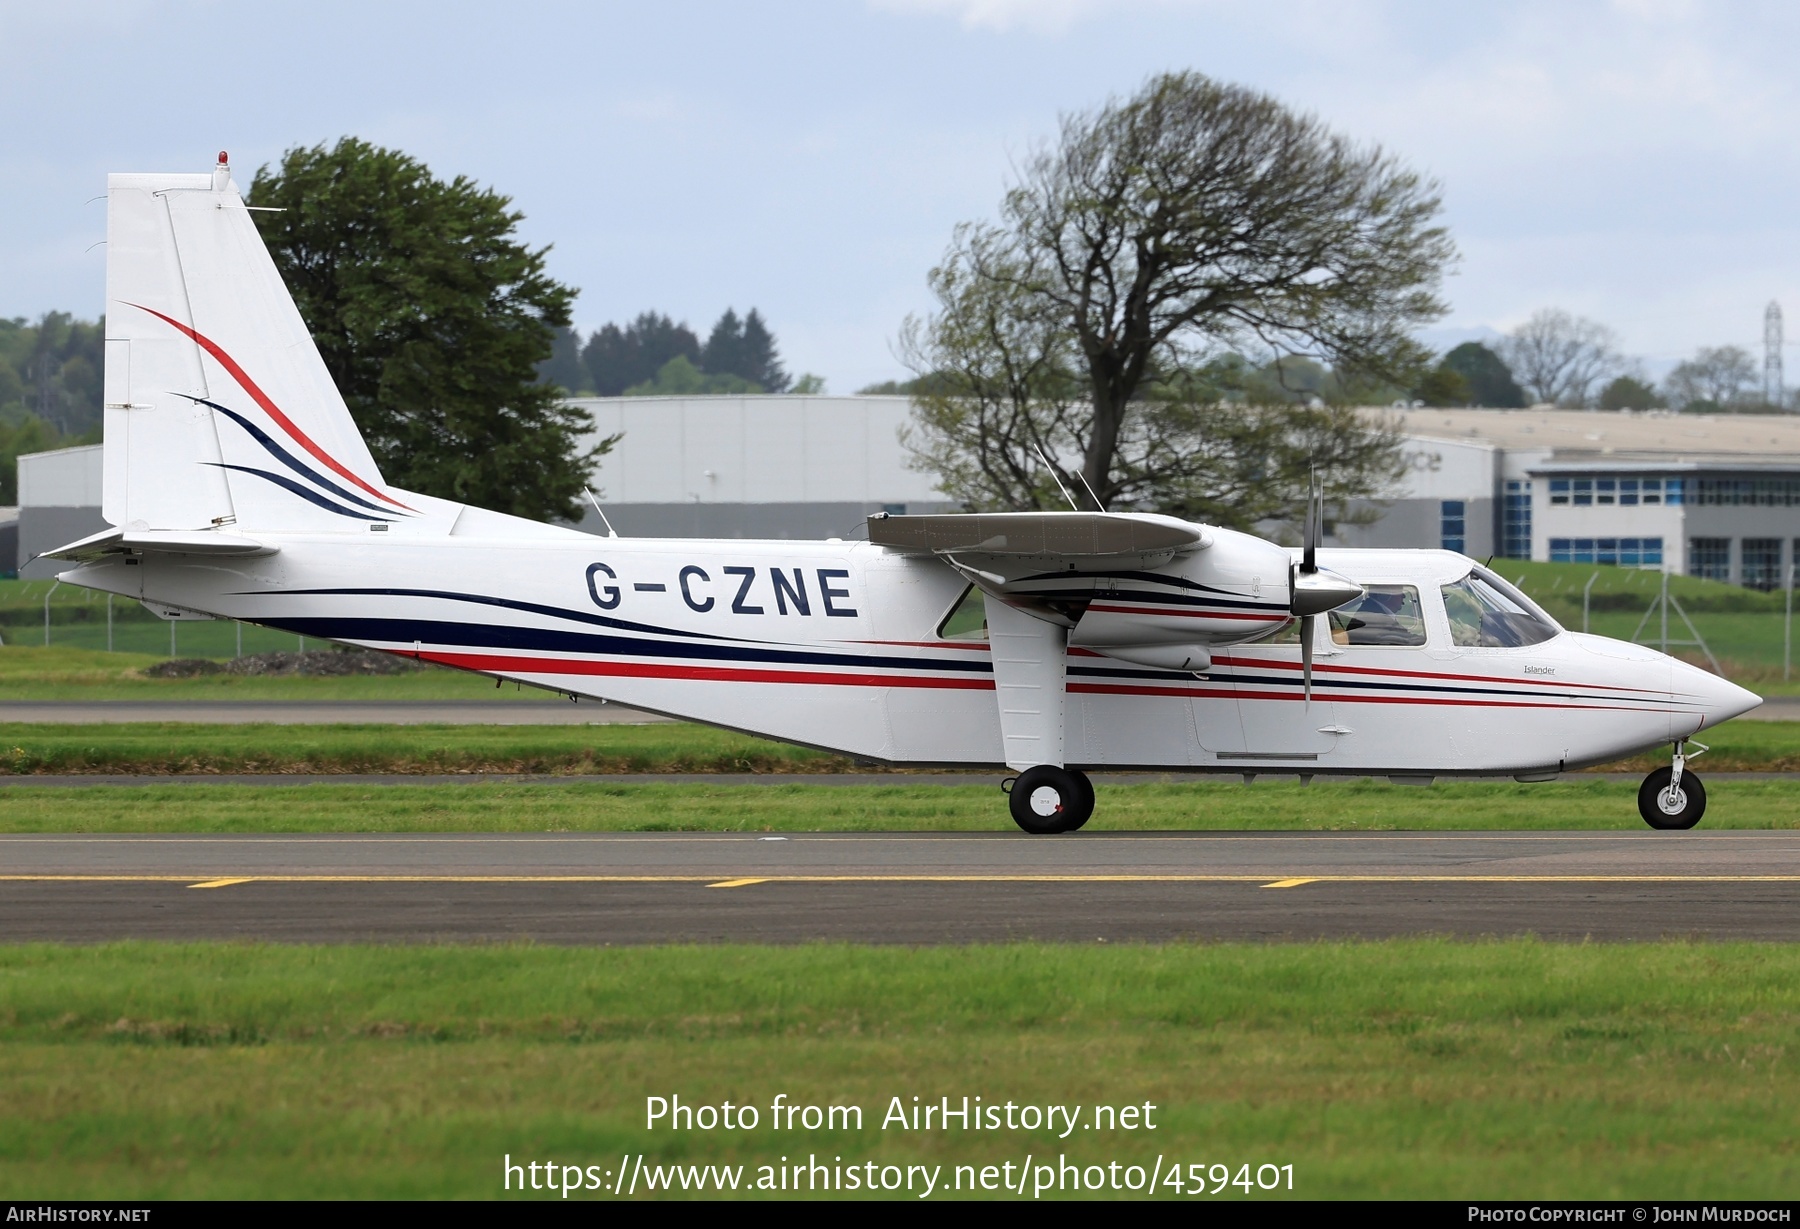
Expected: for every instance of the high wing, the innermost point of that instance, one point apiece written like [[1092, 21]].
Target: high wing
[[1074, 535]]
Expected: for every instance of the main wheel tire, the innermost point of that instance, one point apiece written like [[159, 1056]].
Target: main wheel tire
[[1047, 799], [1670, 811], [1084, 805]]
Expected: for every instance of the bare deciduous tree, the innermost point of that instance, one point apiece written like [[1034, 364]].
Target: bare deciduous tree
[[1719, 376], [1558, 358], [1185, 222]]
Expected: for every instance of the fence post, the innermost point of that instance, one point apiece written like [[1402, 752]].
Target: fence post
[[1585, 589], [51, 590], [1665, 611], [109, 634], [1787, 629]]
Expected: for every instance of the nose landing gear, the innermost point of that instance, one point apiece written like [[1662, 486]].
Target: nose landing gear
[[1673, 798], [1045, 799]]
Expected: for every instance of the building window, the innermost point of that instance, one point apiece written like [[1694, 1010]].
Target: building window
[[1451, 534], [1709, 558], [1621, 492], [1619, 552], [1515, 521], [1762, 563], [1747, 492]]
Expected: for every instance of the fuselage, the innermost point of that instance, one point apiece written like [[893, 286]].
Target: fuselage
[[843, 645]]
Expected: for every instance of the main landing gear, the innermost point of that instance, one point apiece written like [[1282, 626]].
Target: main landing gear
[[1672, 797], [1047, 799]]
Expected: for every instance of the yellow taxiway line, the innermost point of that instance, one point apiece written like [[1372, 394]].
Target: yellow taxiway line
[[1265, 880]]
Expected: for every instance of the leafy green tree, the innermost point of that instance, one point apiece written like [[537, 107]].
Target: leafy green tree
[[1490, 382], [1717, 378], [680, 378], [52, 369], [1443, 385], [1628, 393], [433, 318], [1159, 232]]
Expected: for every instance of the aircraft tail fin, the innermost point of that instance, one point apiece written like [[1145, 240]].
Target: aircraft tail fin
[[219, 408]]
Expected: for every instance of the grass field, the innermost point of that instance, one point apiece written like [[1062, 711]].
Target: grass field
[[153, 747], [1406, 1069], [1201, 805], [183, 747]]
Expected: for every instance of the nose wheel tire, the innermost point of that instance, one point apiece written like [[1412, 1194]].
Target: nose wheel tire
[[1046, 799], [1671, 809]]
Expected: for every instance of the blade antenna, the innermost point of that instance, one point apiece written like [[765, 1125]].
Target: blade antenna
[[1090, 490], [610, 531], [1073, 507]]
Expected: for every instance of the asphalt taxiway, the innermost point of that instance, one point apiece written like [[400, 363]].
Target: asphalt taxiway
[[631, 888]]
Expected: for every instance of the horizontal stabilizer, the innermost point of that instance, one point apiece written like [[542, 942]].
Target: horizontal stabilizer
[[1038, 533], [159, 542]]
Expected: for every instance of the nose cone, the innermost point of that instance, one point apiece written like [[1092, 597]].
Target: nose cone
[[1317, 592], [1716, 698]]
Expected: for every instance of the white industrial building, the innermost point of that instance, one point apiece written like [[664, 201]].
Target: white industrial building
[[1715, 496]]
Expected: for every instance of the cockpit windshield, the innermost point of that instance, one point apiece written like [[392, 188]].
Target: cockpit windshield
[[1486, 612]]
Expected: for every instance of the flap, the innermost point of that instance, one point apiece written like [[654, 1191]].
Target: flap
[[159, 542], [1038, 533]]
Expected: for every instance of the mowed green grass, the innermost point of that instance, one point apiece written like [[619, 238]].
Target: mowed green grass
[[1402, 1069], [1195, 805], [183, 747]]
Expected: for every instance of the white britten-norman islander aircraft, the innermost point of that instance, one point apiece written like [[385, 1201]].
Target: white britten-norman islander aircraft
[[1049, 642]]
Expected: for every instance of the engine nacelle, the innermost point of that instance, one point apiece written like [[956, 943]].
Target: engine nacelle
[[1234, 591]]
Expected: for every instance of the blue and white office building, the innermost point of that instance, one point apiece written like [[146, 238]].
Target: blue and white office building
[[1706, 495]]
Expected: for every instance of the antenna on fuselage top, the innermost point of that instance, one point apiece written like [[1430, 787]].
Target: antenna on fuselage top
[[610, 531], [1073, 507]]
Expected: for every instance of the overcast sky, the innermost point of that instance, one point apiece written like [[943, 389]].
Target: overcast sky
[[1630, 161]]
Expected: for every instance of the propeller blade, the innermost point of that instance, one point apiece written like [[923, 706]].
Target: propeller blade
[[1306, 653], [1315, 524], [1309, 561]]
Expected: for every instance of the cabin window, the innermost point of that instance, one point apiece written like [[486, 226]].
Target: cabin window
[[1384, 615], [1482, 615], [967, 619]]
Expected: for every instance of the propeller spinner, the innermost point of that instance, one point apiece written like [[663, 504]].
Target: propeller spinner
[[1314, 590]]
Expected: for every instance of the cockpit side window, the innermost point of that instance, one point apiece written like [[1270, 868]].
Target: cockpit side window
[[1384, 615], [967, 619], [1482, 615]]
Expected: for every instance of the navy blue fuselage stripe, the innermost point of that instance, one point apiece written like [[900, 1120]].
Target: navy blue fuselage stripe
[[1221, 674], [498, 636], [554, 612], [1155, 578], [311, 497], [287, 458]]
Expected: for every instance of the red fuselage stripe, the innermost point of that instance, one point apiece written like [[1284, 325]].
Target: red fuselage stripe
[[716, 674], [1166, 612], [1270, 663], [269, 407], [726, 674]]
